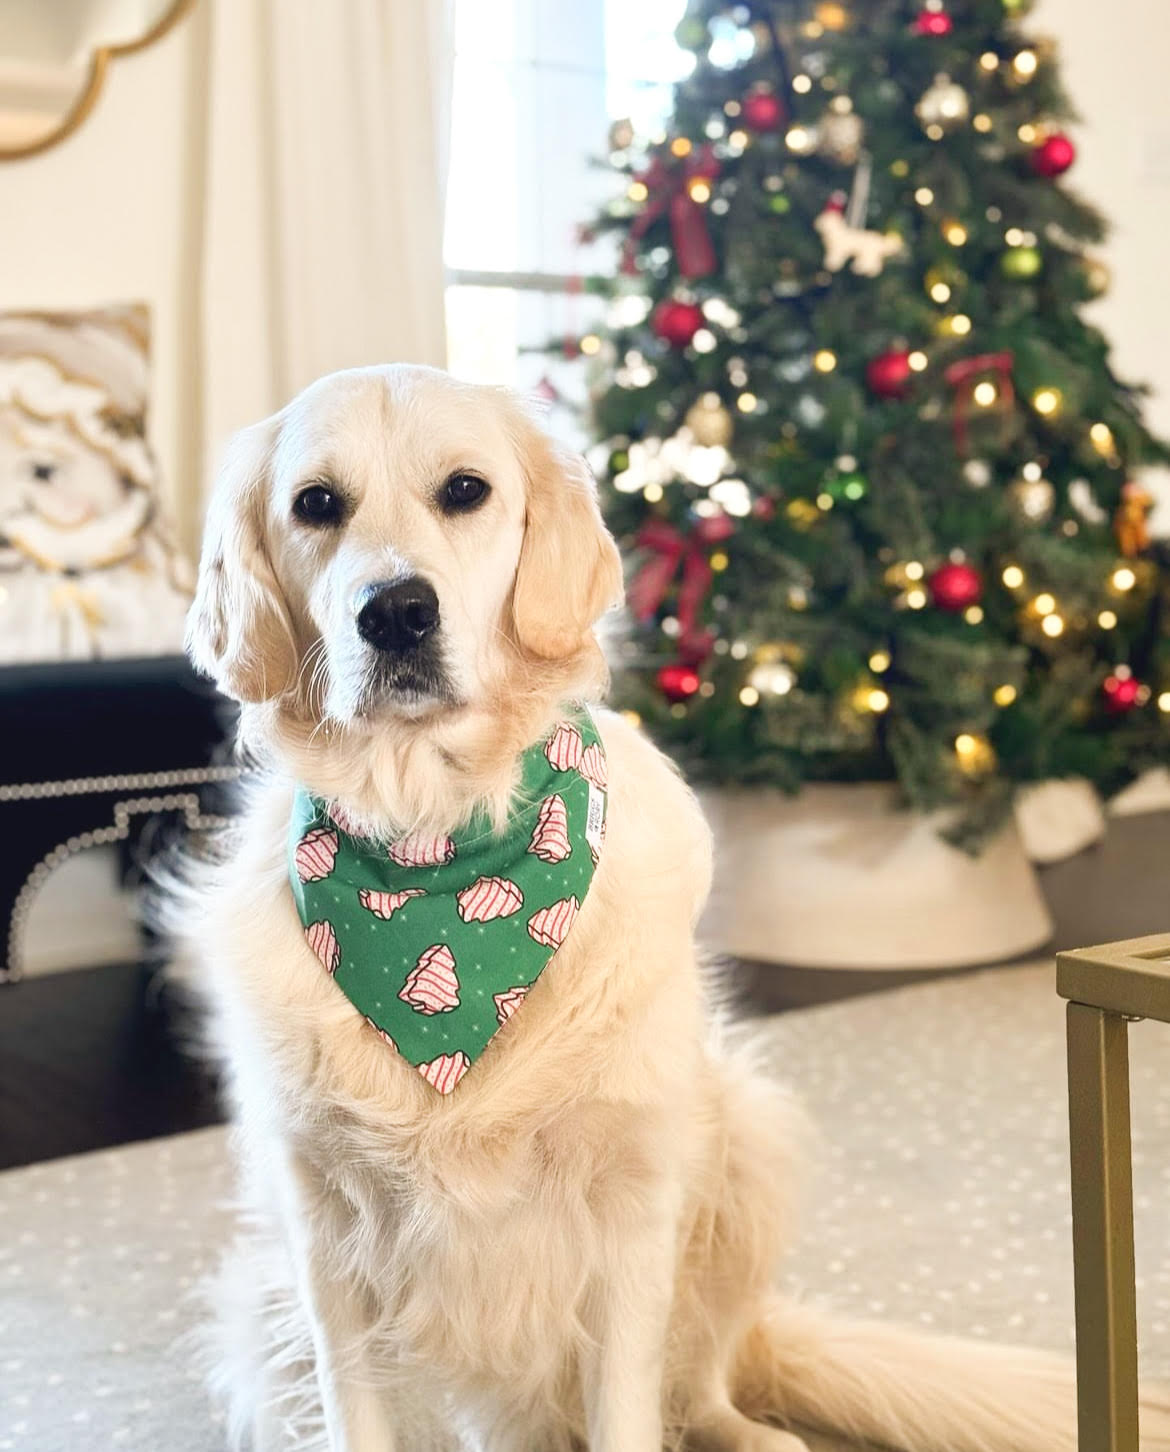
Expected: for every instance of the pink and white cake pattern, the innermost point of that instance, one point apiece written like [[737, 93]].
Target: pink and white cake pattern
[[550, 926], [446, 1071], [550, 837], [323, 941], [507, 1003], [419, 850], [564, 748], [385, 904], [381, 1032], [488, 898], [315, 854], [432, 985], [593, 766]]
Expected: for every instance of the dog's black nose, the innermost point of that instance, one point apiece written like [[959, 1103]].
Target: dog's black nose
[[398, 617]]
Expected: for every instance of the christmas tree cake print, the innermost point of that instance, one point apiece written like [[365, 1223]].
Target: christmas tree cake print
[[508, 1002], [381, 1032], [432, 985], [446, 1071], [315, 854], [564, 747], [593, 766], [550, 926], [323, 941], [420, 850], [488, 898], [550, 837], [386, 904]]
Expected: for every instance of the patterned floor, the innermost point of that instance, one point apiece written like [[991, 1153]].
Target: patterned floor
[[941, 1199]]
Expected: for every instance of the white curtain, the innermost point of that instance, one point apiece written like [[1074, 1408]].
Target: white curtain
[[325, 174]]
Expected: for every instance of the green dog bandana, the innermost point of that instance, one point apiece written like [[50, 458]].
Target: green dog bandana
[[437, 940]]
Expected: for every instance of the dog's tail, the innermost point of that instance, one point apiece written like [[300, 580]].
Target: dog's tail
[[913, 1392]]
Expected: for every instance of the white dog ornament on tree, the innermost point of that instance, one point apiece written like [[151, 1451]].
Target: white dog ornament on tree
[[868, 250]]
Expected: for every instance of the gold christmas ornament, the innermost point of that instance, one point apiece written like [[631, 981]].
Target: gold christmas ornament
[[710, 422], [1098, 275], [1033, 499], [944, 104], [832, 15], [841, 134]]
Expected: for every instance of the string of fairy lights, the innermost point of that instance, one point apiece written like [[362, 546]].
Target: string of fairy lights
[[670, 174]]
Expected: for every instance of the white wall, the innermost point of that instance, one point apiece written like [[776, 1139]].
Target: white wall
[[111, 215], [1114, 63]]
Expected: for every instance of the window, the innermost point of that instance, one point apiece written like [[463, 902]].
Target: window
[[537, 85]]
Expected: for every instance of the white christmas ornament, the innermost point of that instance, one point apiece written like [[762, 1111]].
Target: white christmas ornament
[[868, 250], [944, 104]]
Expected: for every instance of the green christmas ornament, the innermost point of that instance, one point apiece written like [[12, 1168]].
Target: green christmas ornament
[[850, 486], [1021, 263], [779, 203]]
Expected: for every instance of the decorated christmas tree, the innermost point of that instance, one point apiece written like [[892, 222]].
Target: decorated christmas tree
[[873, 470]]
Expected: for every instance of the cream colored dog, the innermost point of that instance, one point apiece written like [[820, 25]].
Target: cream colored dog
[[575, 1249]]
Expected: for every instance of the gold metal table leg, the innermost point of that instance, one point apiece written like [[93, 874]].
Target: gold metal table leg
[[1102, 1201]]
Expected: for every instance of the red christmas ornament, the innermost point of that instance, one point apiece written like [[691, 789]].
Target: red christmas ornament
[[764, 111], [1054, 155], [933, 22], [955, 586], [678, 681], [677, 322], [1122, 693], [889, 374]]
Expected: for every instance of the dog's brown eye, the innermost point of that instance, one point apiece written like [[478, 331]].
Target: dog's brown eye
[[464, 491], [317, 505]]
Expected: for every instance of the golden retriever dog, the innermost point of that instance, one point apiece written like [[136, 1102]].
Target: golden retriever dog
[[575, 1249]]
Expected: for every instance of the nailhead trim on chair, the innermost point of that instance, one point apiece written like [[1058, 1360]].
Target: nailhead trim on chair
[[186, 802]]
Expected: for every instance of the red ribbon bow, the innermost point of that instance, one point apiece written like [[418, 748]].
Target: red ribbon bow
[[963, 375], [666, 187], [670, 548]]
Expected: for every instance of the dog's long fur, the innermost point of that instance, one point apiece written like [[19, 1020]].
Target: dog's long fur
[[576, 1249]]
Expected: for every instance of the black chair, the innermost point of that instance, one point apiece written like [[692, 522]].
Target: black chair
[[126, 752]]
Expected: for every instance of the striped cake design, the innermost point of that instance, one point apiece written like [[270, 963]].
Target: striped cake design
[[594, 767], [432, 985], [550, 926], [446, 1071], [385, 904], [507, 1003], [323, 941], [550, 837], [564, 747], [420, 850], [488, 898], [315, 854], [381, 1032]]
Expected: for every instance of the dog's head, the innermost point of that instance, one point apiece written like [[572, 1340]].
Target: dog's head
[[397, 542]]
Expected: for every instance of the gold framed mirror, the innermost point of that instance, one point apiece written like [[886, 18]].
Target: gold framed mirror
[[54, 56]]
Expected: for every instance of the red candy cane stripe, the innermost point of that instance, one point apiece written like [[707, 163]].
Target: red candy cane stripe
[[431, 985], [418, 850], [385, 904], [564, 747], [550, 837], [323, 941], [507, 1003], [315, 854], [446, 1071], [488, 898], [550, 926], [594, 767]]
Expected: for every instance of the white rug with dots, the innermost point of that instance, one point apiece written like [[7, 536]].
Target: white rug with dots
[[942, 1199]]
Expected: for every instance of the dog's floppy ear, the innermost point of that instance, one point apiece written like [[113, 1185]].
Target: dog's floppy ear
[[570, 571], [238, 628]]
